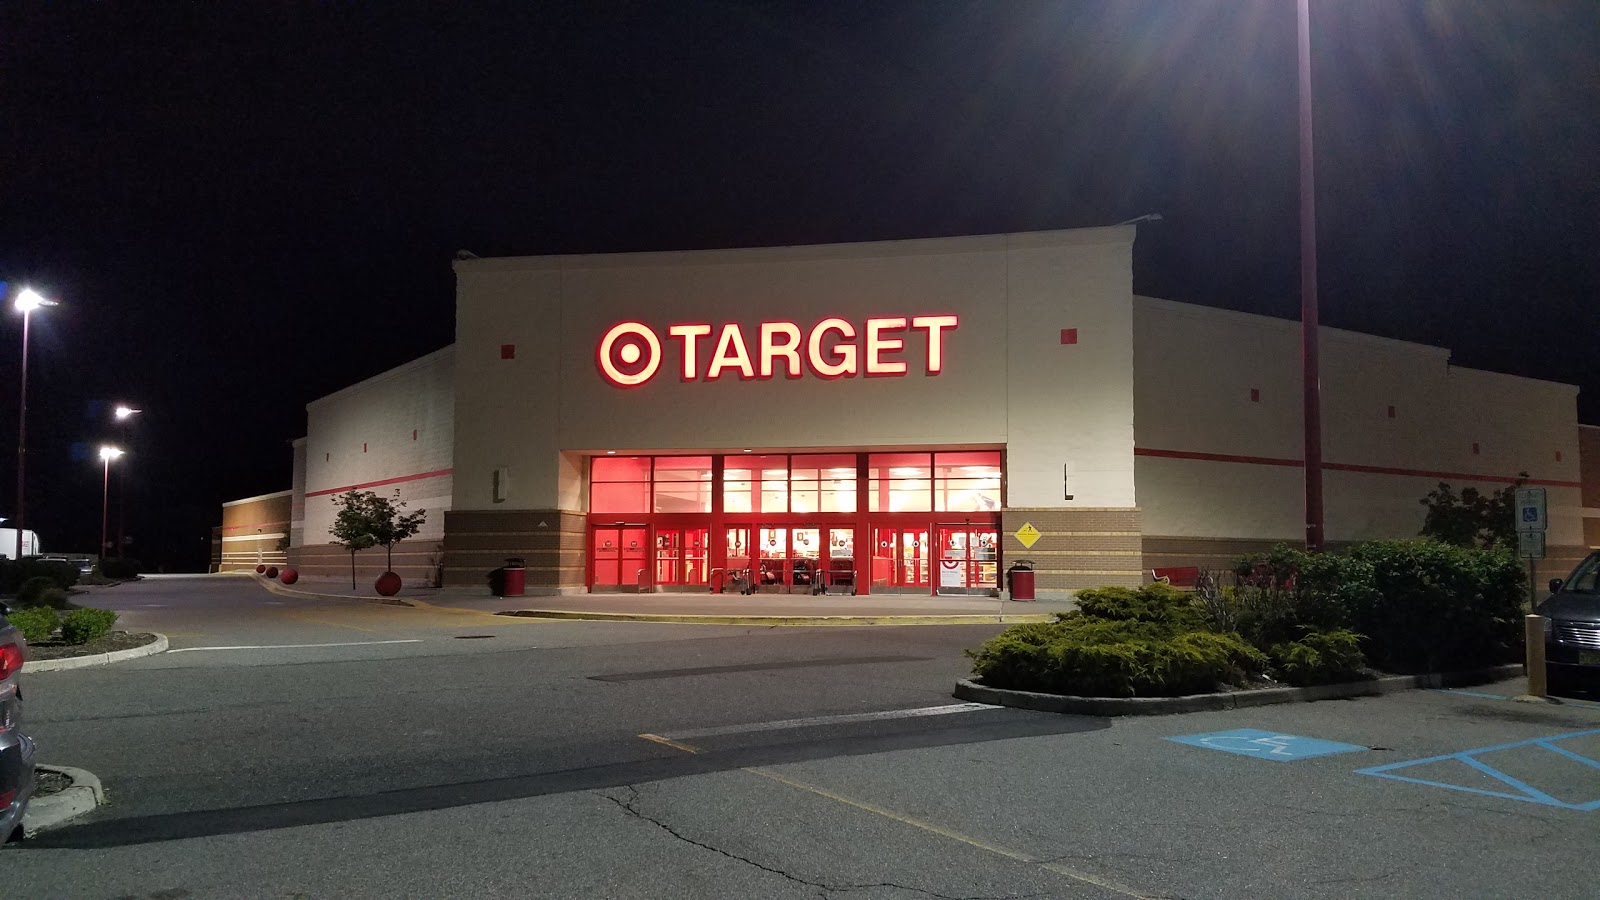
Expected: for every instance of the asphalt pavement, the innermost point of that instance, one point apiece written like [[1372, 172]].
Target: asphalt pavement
[[575, 759]]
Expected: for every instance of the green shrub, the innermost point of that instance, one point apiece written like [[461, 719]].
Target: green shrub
[[36, 624], [1320, 657], [84, 625], [1151, 603], [121, 569], [1440, 607], [32, 591], [1092, 657]]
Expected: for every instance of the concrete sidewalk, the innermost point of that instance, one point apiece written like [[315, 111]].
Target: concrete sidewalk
[[710, 608]]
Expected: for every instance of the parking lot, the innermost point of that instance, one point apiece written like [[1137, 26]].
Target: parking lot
[[624, 760]]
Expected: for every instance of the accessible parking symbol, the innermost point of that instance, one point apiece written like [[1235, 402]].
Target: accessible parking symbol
[[1265, 744]]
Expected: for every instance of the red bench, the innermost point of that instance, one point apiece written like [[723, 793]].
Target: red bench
[[1177, 576]]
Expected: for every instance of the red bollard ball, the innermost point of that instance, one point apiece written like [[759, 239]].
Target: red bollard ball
[[272, 572], [288, 576], [388, 584], [261, 569]]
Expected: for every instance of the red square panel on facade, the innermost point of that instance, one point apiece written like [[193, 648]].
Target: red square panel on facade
[[508, 351], [1069, 335], [1391, 412], [1255, 395]]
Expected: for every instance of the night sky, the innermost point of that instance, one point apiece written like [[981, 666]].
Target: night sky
[[242, 207]]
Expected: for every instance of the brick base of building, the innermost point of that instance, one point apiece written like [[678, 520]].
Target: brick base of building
[[1077, 547], [550, 543]]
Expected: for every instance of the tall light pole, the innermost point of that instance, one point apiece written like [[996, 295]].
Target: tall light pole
[[107, 454], [1311, 377], [124, 414], [26, 302]]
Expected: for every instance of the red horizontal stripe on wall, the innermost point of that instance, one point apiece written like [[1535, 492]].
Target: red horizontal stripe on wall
[[1345, 467], [371, 484]]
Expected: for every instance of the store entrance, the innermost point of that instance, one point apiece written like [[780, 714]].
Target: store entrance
[[788, 559], [681, 557], [968, 562], [900, 559], [621, 557]]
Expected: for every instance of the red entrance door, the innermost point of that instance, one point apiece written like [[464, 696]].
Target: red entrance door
[[967, 558], [681, 555], [901, 557], [620, 556]]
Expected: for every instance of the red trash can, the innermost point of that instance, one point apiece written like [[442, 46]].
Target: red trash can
[[1020, 575], [515, 575]]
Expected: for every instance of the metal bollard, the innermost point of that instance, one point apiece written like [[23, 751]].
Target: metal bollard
[[1533, 639]]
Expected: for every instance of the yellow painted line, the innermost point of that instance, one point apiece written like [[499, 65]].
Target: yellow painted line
[[930, 827], [676, 745], [1085, 877], [791, 621]]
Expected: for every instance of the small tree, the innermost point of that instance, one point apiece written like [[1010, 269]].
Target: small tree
[[352, 526], [391, 524], [1472, 518]]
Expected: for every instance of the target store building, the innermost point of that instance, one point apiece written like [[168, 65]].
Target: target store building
[[906, 416]]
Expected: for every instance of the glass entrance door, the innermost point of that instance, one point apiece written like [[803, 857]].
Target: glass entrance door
[[900, 557], [619, 556], [967, 558], [681, 556]]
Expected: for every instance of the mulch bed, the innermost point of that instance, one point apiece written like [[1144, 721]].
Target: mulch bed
[[116, 640], [47, 782]]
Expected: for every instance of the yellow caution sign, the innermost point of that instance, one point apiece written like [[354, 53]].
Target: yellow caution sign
[[1027, 534]]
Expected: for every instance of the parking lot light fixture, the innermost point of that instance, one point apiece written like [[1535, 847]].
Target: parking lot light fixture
[[107, 454], [27, 300]]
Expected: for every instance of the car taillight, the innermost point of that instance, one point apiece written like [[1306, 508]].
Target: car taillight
[[7, 798], [11, 660]]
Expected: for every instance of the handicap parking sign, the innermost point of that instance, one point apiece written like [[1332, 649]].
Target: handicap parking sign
[[1272, 745]]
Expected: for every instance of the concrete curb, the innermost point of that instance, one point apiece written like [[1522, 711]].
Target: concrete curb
[[1159, 706], [159, 645], [277, 588], [793, 621], [57, 809]]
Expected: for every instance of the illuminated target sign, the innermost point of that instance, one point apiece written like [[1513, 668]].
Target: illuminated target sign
[[630, 352]]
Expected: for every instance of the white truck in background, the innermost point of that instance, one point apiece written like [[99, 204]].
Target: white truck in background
[[8, 543]]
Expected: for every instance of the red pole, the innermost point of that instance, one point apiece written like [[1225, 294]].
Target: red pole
[[1309, 351]]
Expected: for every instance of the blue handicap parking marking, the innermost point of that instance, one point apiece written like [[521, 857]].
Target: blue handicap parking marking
[[1271, 745], [1484, 762]]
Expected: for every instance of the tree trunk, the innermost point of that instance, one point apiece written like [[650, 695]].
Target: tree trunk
[[352, 570]]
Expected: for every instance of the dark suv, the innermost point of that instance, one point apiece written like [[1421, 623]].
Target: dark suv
[[1572, 626]]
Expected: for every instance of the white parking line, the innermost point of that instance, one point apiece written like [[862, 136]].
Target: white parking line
[[919, 712], [295, 646]]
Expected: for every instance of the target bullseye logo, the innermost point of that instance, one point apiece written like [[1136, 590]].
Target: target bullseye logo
[[637, 342]]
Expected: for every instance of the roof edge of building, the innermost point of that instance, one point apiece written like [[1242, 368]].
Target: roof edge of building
[[1101, 234], [385, 375], [259, 497]]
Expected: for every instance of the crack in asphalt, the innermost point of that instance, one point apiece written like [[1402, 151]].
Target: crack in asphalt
[[630, 805]]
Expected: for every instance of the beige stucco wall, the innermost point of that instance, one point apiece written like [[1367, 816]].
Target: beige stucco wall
[[1195, 368], [1006, 380], [392, 428]]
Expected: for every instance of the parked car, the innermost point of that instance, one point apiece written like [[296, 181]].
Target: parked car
[[1572, 626], [83, 564], [16, 748]]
